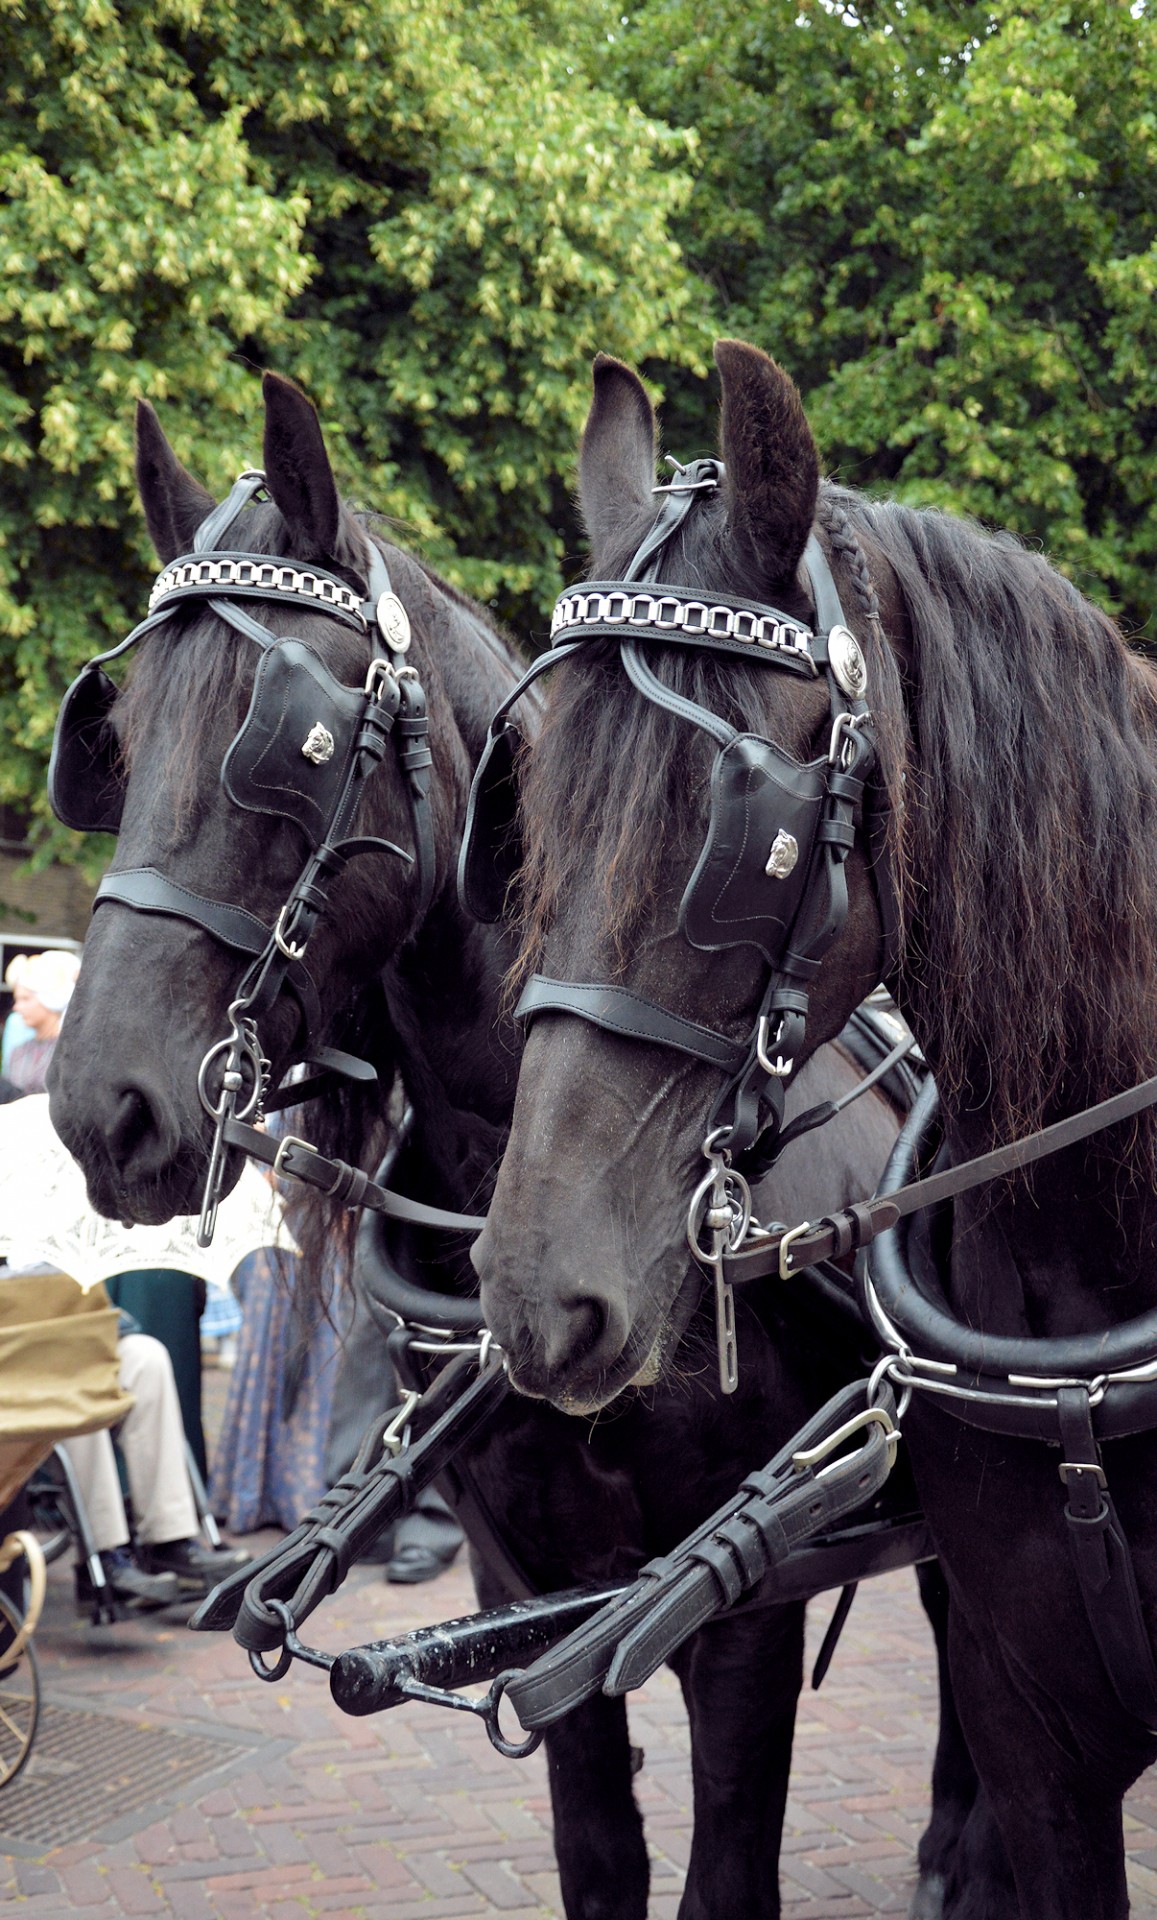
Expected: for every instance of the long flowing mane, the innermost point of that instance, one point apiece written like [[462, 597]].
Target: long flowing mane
[[1029, 840], [1018, 755]]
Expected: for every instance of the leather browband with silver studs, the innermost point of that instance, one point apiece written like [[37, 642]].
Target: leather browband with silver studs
[[682, 616], [253, 574]]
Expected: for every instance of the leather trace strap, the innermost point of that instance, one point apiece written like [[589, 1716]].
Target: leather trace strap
[[313, 1560], [801, 1494]]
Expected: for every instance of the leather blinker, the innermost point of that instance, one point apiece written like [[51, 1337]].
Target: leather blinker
[[86, 783], [751, 875], [290, 756]]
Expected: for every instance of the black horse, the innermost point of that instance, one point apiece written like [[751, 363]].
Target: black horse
[[1015, 739], [418, 991]]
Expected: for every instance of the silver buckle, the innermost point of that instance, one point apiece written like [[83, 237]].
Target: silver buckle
[[785, 1271], [871, 1417], [282, 944], [779, 1068], [279, 1170]]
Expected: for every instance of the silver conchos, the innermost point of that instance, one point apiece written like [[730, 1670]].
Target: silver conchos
[[318, 744], [783, 856], [847, 663], [394, 622]]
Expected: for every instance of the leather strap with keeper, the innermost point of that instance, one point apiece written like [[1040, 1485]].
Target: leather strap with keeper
[[296, 1159], [1104, 1563], [857, 1226], [801, 1494], [313, 1560]]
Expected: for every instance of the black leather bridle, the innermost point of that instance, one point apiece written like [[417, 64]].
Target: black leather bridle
[[304, 751], [771, 873]]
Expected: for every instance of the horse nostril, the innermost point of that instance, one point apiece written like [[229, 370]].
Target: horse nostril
[[134, 1131], [577, 1333]]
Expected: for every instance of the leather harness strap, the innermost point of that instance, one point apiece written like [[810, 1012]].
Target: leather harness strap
[[1104, 1563], [621, 1011], [791, 1501], [793, 1250], [314, 1559]]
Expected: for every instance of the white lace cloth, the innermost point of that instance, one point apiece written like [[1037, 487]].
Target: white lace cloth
[[45, 1217]]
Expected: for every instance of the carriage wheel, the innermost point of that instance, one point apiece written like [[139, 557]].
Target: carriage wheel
[[19, 1695]]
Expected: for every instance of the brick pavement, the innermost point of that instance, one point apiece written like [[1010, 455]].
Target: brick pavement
[[412, 1816]]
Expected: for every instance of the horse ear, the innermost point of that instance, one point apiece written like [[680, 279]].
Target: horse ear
[[297, 469], [175, 504], [773, 469], [617, 459]]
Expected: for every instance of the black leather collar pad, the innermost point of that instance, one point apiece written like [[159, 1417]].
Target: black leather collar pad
[[85, 782], [267, 769], [760, 797]]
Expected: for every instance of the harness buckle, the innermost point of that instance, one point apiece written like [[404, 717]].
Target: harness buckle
[[378, 672], [279, 1170], [787, 1272], [841, 749], [283, 945], [396, 1437], [870, 1417], [1080, 1468], [779, 1068]]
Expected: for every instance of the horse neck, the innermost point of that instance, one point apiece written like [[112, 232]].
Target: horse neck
[[457, 1051]]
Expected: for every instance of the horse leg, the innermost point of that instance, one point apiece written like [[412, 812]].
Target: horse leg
[[741, 1679], [603, 1867], [964, 1870], [1058, 1817], [954, 1782]]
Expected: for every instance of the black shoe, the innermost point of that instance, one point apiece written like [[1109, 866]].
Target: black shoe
[[126, 1583], [412, 1564], [196, 1568]]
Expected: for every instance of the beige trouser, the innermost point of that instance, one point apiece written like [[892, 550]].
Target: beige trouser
[[152, 1440]]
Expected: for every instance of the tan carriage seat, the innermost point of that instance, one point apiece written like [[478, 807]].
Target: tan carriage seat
[[59, 1369]]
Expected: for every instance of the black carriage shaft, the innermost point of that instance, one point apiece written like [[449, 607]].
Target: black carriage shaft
[[457, 1653]]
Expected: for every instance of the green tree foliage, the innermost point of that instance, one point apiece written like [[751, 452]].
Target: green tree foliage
[[942, 218], [422, 209]]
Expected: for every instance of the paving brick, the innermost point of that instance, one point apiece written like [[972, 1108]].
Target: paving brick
[[496, 1883], [412, 1816]]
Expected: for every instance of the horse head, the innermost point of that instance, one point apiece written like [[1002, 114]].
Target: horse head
[[640, 818], [224, 762]]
